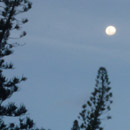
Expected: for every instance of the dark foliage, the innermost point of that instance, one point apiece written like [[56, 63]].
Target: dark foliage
[[9, 9], [75, 126], [97, 107]]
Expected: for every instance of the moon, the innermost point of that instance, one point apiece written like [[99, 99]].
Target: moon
[[110, 30]]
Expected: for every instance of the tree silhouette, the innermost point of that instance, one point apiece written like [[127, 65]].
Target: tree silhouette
[[9, 23], [75, 126], [97, 107]]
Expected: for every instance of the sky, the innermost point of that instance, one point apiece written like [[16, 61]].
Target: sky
[[65, 46]]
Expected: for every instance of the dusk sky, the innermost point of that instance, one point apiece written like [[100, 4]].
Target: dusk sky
[[65, 46]]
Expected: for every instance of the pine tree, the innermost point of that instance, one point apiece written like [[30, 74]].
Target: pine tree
[[9, 9], [97, 107], [75, 126]]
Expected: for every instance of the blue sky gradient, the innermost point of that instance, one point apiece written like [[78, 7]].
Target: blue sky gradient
[[65, 46]]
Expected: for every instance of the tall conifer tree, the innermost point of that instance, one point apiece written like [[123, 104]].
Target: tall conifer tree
[[9, 9], [75, 125], [98, 105]]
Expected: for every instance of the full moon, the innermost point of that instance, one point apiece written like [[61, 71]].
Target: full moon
[[110, 30]]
